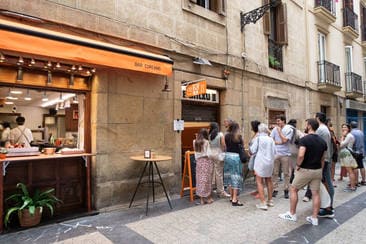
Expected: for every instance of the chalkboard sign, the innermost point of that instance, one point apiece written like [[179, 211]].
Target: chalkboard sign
[[189, 174]]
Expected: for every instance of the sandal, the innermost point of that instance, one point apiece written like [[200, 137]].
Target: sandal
[[237, 203]]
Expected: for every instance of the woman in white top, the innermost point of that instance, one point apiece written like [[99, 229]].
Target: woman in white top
[[345, 157], [263, 147], [217, 148], [204, 167]]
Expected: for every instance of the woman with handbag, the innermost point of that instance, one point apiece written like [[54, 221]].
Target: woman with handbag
[[233, 168], [217, 156], [204, 167], [346, 158], [264, 150]]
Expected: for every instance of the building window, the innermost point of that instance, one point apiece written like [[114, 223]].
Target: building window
[[217, 6], [275, 26], [275, 23], [321, 49], [363, 22], [349, 64]]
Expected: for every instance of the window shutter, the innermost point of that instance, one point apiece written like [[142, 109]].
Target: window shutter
[[266, 20], [281, 24], [221, 7], [193, 1]]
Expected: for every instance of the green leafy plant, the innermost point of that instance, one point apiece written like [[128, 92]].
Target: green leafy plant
[[24, 200], [273, 61]]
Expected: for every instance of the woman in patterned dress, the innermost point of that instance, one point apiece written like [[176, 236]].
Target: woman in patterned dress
[[345, 156], [233, 168], [204, 167]]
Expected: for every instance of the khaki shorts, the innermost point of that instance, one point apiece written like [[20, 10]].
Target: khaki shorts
[[304, 177]]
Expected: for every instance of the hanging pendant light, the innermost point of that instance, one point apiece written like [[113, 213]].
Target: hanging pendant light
[[28, 97], [49, 77], [20, 74], [44, 97]]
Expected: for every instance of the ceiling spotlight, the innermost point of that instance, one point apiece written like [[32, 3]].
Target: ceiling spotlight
[[20, 74], [20, 61], [80, 68], [73, 68], [88, 72], [61, 98], [49, 64], [16, 92], [9, 102], [58, 65], [33, 62], [201, 61], [44, 97], [27, 97], [49, 77], [93, 70], [2, 58], [166, 86], [9, 96]]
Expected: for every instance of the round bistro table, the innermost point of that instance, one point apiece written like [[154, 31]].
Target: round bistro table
[[150, 163]]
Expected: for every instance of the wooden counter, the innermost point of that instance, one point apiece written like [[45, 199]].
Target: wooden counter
[[69, 174]]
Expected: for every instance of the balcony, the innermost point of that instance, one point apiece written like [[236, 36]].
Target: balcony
[[275, 55], [329, 77], [353, 85], [350, 23], [325, 11]]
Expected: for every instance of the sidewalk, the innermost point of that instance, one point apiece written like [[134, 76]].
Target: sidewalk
[[214, 223]]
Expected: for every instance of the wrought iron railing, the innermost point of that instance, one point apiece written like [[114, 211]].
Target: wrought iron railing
[[327, 4], [275, 59], [353, 82], [329, 73], [350, 18]]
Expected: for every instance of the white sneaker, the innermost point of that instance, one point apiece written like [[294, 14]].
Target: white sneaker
[[311, 220], [262, 206], [288, 216], [306, 199], [270, 203]]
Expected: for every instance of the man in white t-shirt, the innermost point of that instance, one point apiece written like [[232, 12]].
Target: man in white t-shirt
[[282, 135], [20, 135]]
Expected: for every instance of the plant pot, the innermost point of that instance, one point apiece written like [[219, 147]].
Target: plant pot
[[28, 220]]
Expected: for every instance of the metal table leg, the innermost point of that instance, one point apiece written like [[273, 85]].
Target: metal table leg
[[138, 184], [161, 180]]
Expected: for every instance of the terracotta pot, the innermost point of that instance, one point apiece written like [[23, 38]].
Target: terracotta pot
[[2, 156], [28, 220]]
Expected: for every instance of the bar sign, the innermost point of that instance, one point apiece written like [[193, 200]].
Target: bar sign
[[196, 89]]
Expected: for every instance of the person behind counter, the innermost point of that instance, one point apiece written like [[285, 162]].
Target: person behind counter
[[5, 135], [21, 136]]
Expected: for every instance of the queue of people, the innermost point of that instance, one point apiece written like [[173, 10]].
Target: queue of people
[[305, 159]]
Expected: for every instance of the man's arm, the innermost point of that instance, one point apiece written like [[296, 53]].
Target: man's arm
[[284, 139], [300, 156], [323, 159]]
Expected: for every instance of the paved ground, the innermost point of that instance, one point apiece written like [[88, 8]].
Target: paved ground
[[215, 223]]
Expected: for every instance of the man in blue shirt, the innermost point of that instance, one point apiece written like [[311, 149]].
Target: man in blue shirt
[[281, 135], [358, 148]]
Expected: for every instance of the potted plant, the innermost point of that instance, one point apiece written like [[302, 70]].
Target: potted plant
[[29, 208], [273, 62]]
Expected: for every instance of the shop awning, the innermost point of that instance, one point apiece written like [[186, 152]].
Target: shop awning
[[33, 40]]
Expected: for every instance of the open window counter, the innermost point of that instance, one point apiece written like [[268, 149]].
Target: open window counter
[[69, 174]]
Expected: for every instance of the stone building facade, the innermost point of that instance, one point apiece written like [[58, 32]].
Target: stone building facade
[[253, 77]]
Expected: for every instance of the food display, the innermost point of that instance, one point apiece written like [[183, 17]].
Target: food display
[[22, 151]]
